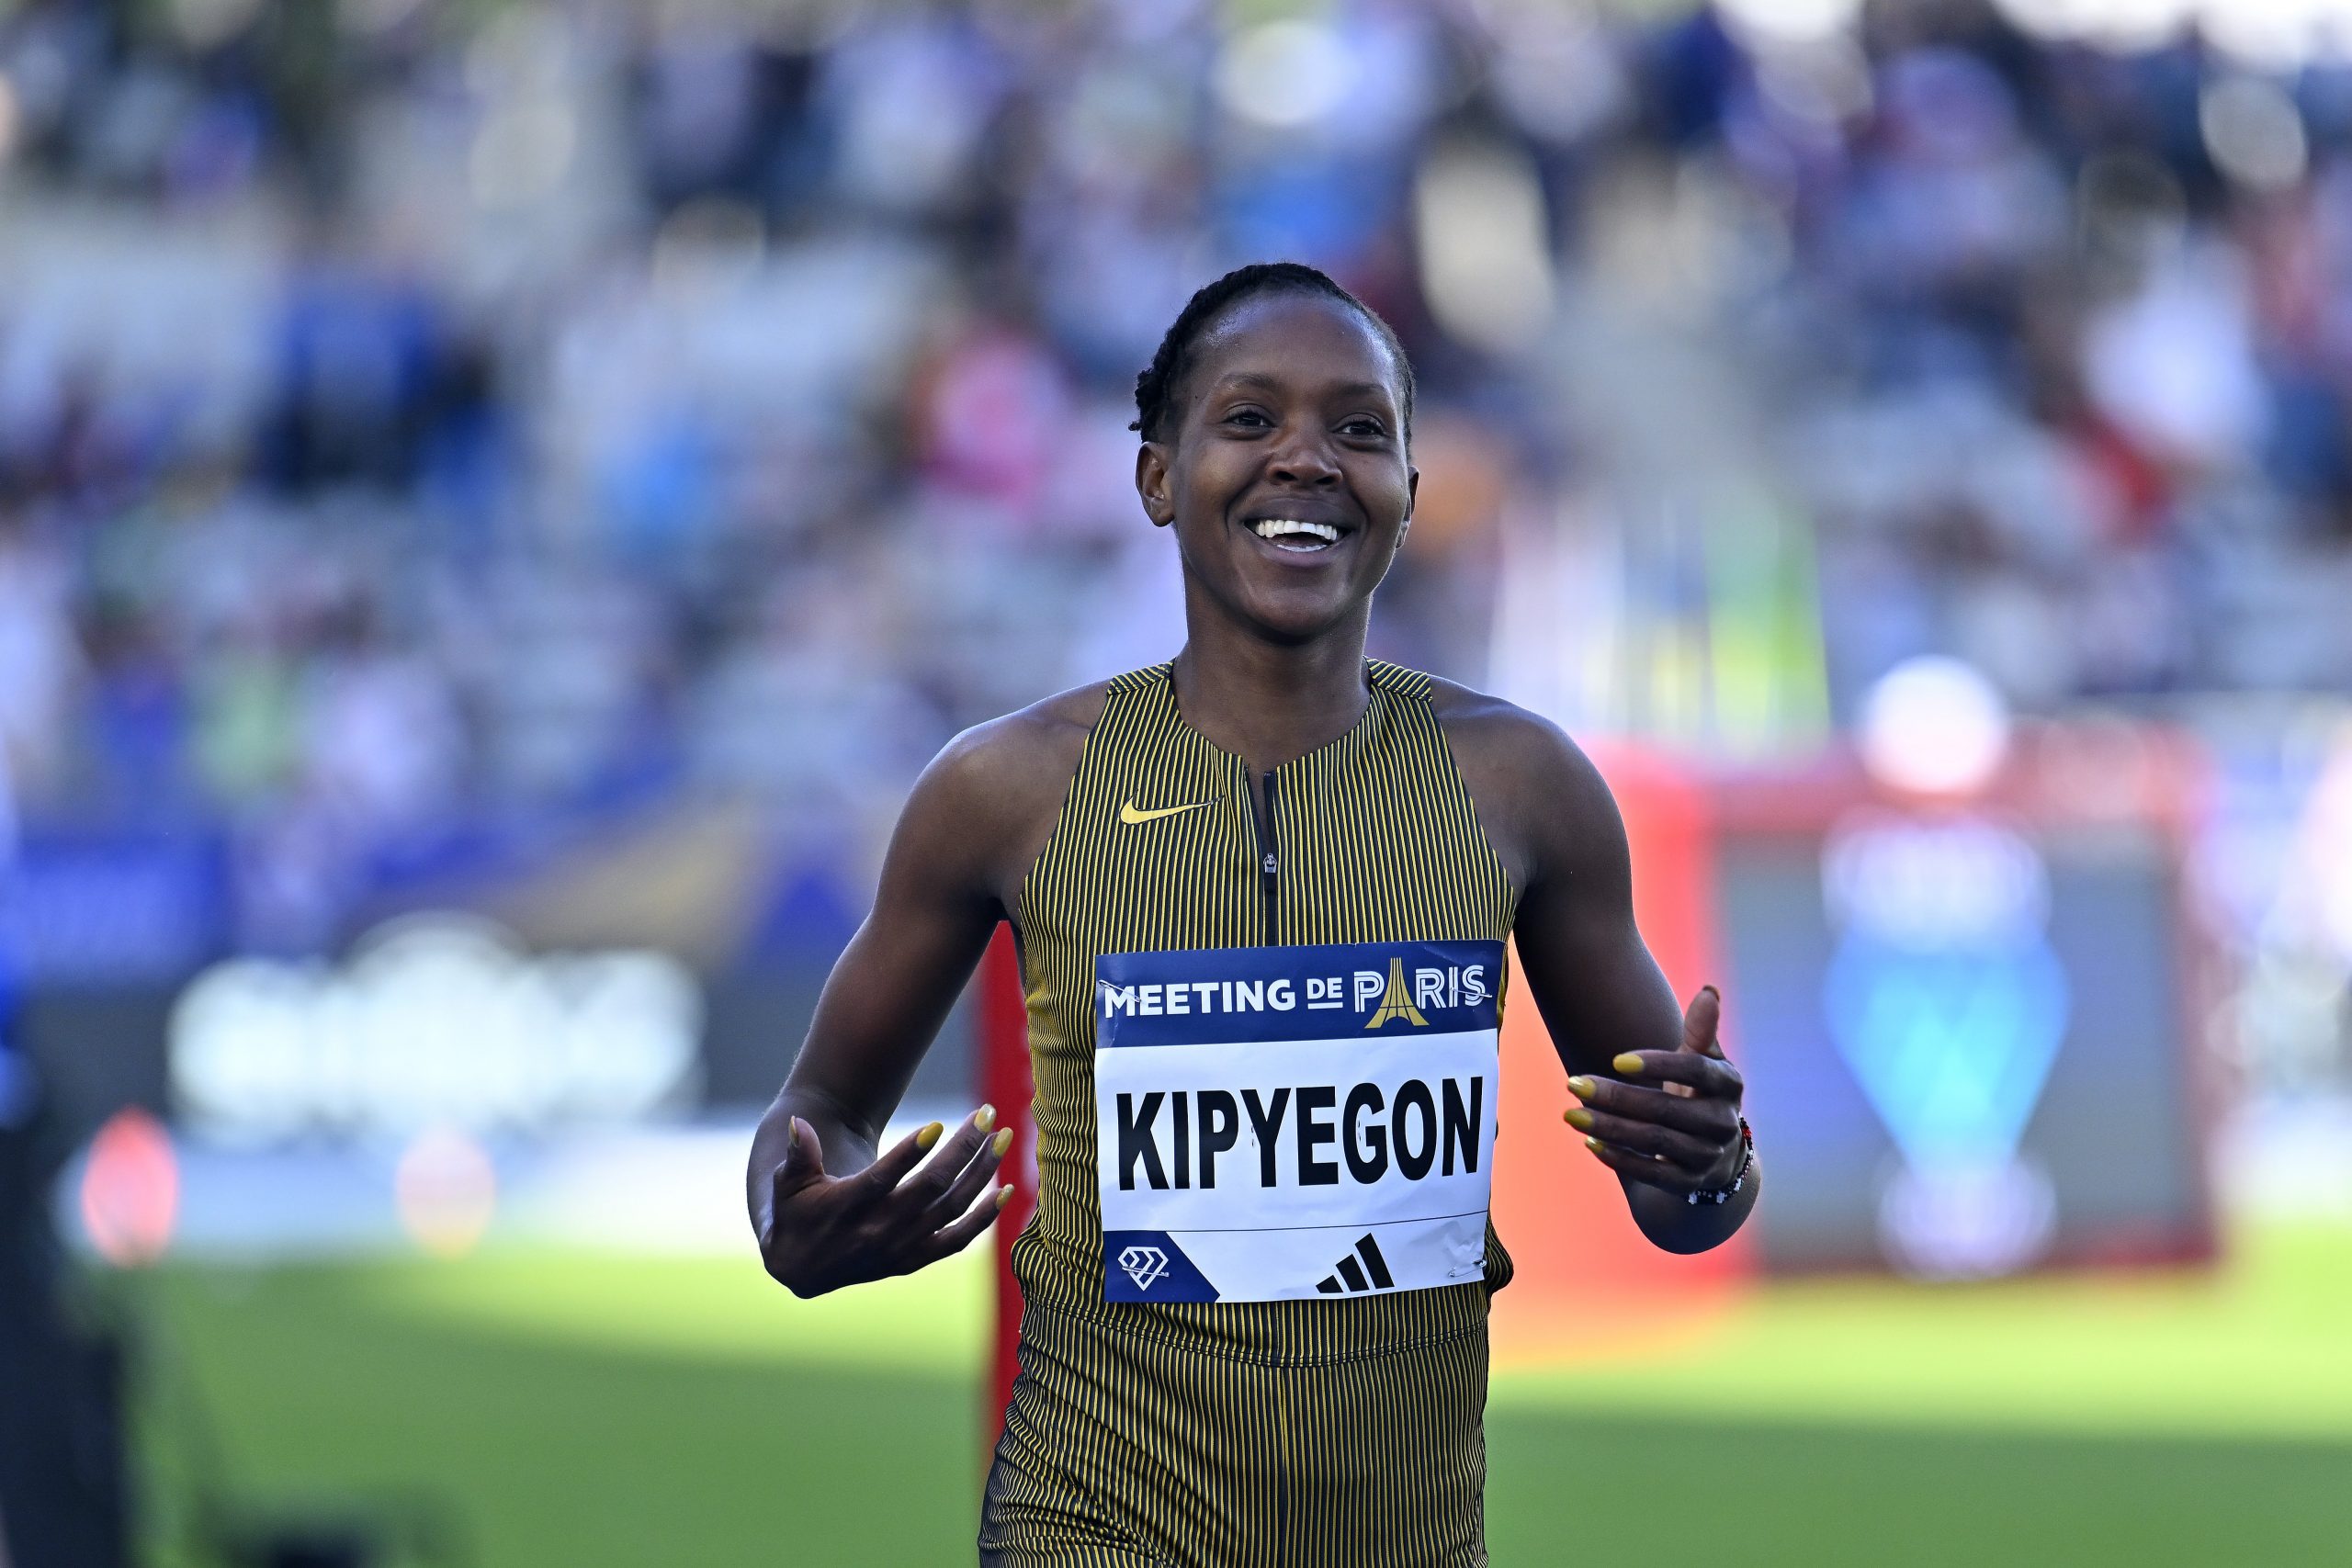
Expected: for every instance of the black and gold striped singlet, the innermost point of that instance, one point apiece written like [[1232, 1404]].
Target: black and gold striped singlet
[[1328, 1433]]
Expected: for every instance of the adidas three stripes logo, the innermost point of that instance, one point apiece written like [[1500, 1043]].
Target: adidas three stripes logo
[[1355, 1272]]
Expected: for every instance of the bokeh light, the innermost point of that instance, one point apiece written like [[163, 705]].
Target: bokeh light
[[130, 1190], [1792, 20], [1934, 725], [1284, 75], [1479, 223], [445, 1186], [2254, 131]]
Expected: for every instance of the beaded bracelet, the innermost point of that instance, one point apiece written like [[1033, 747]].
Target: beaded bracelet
[[1739, 1176]]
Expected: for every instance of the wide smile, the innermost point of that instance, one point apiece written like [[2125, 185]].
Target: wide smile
[[1298, 537]]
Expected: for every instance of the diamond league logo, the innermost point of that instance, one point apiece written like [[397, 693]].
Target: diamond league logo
[[1144, 1265], [1950, 1006]]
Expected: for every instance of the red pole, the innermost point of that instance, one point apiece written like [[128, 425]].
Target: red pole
[[1002, 1020]]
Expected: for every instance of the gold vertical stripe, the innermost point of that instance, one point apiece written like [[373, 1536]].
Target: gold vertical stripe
[[1342, 1431]]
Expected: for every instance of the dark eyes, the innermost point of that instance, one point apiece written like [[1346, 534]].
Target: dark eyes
[[1362, 426]]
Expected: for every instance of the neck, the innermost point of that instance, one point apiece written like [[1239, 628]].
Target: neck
[[1271, 701]]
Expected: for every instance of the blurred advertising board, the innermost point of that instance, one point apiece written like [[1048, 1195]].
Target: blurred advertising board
[[1973, 1022], [632, 965], [113, 909], [99, 929], [1973, 1029]]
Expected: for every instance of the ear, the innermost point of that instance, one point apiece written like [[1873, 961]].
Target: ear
[[1151, 483], [1412, 494]]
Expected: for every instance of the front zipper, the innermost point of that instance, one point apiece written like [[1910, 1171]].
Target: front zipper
[[1269, 882], [1269, 863]]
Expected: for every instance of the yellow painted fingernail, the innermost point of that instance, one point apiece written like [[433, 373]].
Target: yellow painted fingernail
[[984, 1118], [1577, 1116], [928, 1135], [1593, 1144], [1628, 1063], [1581, 1087], [1004, 1195], [1001, 1142]]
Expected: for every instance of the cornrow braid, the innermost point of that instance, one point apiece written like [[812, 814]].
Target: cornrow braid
[[1156, 388]]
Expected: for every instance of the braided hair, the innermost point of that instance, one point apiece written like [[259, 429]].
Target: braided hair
[[1156, 388]]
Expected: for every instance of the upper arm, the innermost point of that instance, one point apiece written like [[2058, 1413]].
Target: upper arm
[[977, 815], [1551, 818]]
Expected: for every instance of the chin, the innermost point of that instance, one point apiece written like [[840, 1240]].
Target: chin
[[1293, 623]]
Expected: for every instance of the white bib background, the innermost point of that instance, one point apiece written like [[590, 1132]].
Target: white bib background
[[1277, 1124]]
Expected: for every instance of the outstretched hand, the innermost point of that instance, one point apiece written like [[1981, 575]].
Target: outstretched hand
[[1683, 1135], [824, 1232]]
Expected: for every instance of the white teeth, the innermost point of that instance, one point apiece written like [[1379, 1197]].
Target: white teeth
[[1276, 529]]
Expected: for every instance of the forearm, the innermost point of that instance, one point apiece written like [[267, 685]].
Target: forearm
[[1674, 1223], [881, 1008]]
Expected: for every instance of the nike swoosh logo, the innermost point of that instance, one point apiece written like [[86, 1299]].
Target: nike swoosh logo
[[1132, 814]]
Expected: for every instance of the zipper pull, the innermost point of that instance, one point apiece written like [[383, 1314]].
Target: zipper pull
[[1269, 863]]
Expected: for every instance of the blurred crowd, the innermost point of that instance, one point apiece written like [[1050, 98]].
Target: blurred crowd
[[418, 415]]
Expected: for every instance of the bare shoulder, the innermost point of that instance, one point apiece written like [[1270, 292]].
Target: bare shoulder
[[988, 799], [1542, 801], [1031, 747], [1509, 745]]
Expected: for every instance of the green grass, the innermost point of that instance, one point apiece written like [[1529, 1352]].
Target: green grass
[[574, 1410], [2260, 1348], [557, 1451]]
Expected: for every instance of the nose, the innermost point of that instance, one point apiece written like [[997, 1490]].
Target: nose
[[1303, 460]]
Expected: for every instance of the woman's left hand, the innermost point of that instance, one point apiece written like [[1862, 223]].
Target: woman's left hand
[[1682, 1135]]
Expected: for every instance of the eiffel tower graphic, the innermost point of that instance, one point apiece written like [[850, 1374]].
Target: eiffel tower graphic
[[1397, 1002]]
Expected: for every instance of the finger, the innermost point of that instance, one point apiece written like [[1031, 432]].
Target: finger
[[923, 1190], [1705, 1075], [1708, 1119], [977, 1174], [1697, 1155], [876, 1180], [803, 1163], [1643, 1169], [1701, 1022], [954, 1238]]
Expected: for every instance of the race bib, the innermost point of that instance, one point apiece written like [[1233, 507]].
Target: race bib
[[1274, 1123]]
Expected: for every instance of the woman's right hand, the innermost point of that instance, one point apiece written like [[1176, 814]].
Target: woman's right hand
[[824, 1233]]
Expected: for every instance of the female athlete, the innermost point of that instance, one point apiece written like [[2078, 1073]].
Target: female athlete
[[1259, 894]]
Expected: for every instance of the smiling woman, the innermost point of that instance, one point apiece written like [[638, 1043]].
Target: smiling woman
[[1341, 501], [1268, 875]]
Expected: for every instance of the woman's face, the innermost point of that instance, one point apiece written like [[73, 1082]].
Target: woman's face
[[1287, 416]]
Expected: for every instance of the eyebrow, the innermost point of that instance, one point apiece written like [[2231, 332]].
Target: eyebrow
[[1258, 378]]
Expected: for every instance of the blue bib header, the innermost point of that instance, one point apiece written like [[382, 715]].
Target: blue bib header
[[1231, 994]]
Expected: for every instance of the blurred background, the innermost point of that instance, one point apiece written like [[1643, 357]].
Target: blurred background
[[498, 500]]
